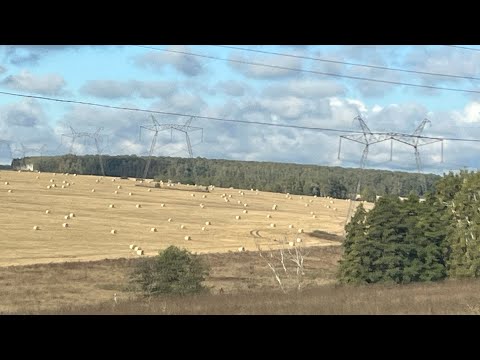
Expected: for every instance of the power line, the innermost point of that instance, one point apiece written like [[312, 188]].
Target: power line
[[463, 47], [321, 129], [177, 114], [312, 71], [348, 63]]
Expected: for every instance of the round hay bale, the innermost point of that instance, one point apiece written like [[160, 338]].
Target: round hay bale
[[306, 205], [54, 185], [314, 216], [96, 181], [169, 219], [204, 196], [245, 205], [237, 217], [138, 206], [162, 205], [132, 246], [153, 229], [47, 211], [311, 213], [36, 227], [72, 215], [66, 217], [48, 187], [63, 182], [182, 226], [272, 225], [115, 192], [239, 202], [74, 174], [269, 216], [7, 183], [311, 200], [111, 206], [301, 197], [130, 194], [140, 252], [241, 249], [52, 180], [63, 186], [93, 190], [149, 190], [188, 238], [202, 206], [208, 223], [291, 243], [113, 231], [203, 228], [299, 240], [290, 226], [113, 180], [65, 225], [300, 231], [245, 211], [10, 190], [38, 177], [193, 195], [135, 248]]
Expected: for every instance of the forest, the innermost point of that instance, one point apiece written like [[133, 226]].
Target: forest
[[297, 179]]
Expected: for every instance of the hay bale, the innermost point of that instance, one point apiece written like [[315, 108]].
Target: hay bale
[[10, 190], [306, 205], [331, 202], [299, 240], [274, 207], [311, 200], [314, 216], [54, 185], [182, 226], [135, 248], [300, 231], [48, 187], [47, 211], [334, 209], [311, 212], [290, 226], [230, 196], [65, 225], [208, 223], [72, 215], [74, 174], [239, 202], [301, 197], [237, 217], [38, 177], [193, 195], [169, 219], [203, 228], [245, 211], [96, 181], [113, 180], [202, 206], [93, 190], [188, 238], [63, 186], [66, 217], [241, 249], [138, 206], [130, 194], [140, 252], [132, 246], [291, 243], [149, 190], [111, 206], [36, 227], [113, 231], [7, 183], [245, 205], [269, 216], [162, 205], [153, 229], [272, 225]]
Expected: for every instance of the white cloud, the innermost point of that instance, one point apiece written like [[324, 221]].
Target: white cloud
[[50, 84]]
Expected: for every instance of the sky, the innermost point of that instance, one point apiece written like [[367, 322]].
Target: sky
[[142, 77]]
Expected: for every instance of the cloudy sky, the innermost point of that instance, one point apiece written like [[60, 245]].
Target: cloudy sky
[[139, 77]]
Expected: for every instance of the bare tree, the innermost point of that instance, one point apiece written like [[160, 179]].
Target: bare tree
[[286, 262]]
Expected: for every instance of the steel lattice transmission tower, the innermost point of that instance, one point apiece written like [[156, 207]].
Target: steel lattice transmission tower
[[95, 136], [156, 127]]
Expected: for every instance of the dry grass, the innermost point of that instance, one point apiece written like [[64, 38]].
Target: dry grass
[[88, 234]]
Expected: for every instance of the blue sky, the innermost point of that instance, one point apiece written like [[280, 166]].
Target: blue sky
[[138, 77]]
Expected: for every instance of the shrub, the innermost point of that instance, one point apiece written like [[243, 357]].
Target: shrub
[[173, 271]]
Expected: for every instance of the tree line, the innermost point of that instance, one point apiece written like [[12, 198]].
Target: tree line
[[298, 179], [405, 241]]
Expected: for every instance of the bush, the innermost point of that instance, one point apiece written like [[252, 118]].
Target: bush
[[173, 271]]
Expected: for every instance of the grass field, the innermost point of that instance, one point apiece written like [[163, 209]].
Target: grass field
[[88, 236]]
